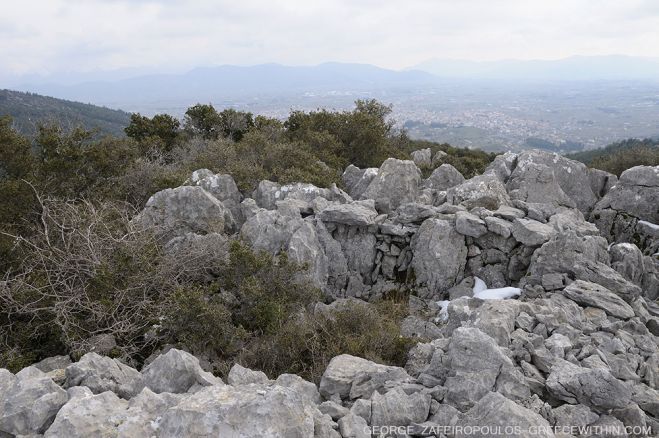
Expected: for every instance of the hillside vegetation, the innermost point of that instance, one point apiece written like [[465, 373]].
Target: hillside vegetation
[[617, 157], [29, 110], [76, 268]]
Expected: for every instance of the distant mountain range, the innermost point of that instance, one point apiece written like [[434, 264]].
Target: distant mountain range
[[223, 83], [28, 110], [211, 83], [575, 68]]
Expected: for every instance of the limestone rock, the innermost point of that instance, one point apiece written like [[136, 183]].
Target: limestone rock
[[251, 411], [444, 177], [185, 209], [29, 405], [100, 374], [591, 294], [396, 183], [176, 371], [480, 191], [345, 369], [422, 157], [496, 411], [595, 388], [440, 255]]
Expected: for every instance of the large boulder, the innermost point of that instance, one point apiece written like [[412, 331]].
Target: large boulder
[[474, 365], [305, 248], [444, 177], [494, 414], [422, 157], [357, 213], [580, 258], [396, 183], [271, 230], [28, 404], [224, 189], [593, 387], [440, 255], [345, 370], [357, 180], [634, 197], [251, 411], [485, 191], [572, 177], [100, 374], [640, 183], [176, 371], [186, 209], [88, 415], [587, 294], [396, 408], [536, 183]]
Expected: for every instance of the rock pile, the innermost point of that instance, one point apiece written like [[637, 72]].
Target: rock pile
[[578, 348]]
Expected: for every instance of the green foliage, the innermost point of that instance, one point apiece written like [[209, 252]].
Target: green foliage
[[307, 343], [618, 157], [29, 111], [361, 136], [161, 132]]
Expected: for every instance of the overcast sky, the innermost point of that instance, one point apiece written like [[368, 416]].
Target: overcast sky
[[50, 36]]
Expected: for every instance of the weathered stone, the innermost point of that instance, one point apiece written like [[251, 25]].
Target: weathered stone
[[495, 412], [480, 191], [396, 183], [88, 415], [595, 388], [185, 209], [176, 371], [530, 232], [440, 255], [499, 226], [469, 225], [29, 405], [422, 157], [357, 213], [239, 375], [249, 411], [444, 177], [345, 369], [591, 294], [357, 180], [396, 408], [270, 230], [534, 182], [100, 374]]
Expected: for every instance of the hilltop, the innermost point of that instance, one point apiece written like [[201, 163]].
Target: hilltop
[[28, 110]]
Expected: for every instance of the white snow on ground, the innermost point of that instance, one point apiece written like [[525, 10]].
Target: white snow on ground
[[443, 313], [498, 294], [481, 291], [649, 225], [479, 285]]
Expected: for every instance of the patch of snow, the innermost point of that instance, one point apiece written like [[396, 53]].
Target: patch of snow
[[443, 313], [498, 294], [649, 225], [479, 286]]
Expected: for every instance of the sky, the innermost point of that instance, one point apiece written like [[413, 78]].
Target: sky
[[42, 37]]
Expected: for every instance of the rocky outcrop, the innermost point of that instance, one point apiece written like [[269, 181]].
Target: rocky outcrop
[[576, 344]]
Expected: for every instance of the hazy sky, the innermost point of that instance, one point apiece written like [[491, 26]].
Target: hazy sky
[[50, 36]]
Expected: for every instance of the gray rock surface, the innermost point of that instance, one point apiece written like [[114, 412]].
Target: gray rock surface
[[100, 374], [396, 183], [176, 371], [444, 177], [184, 209], [440, 255]]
